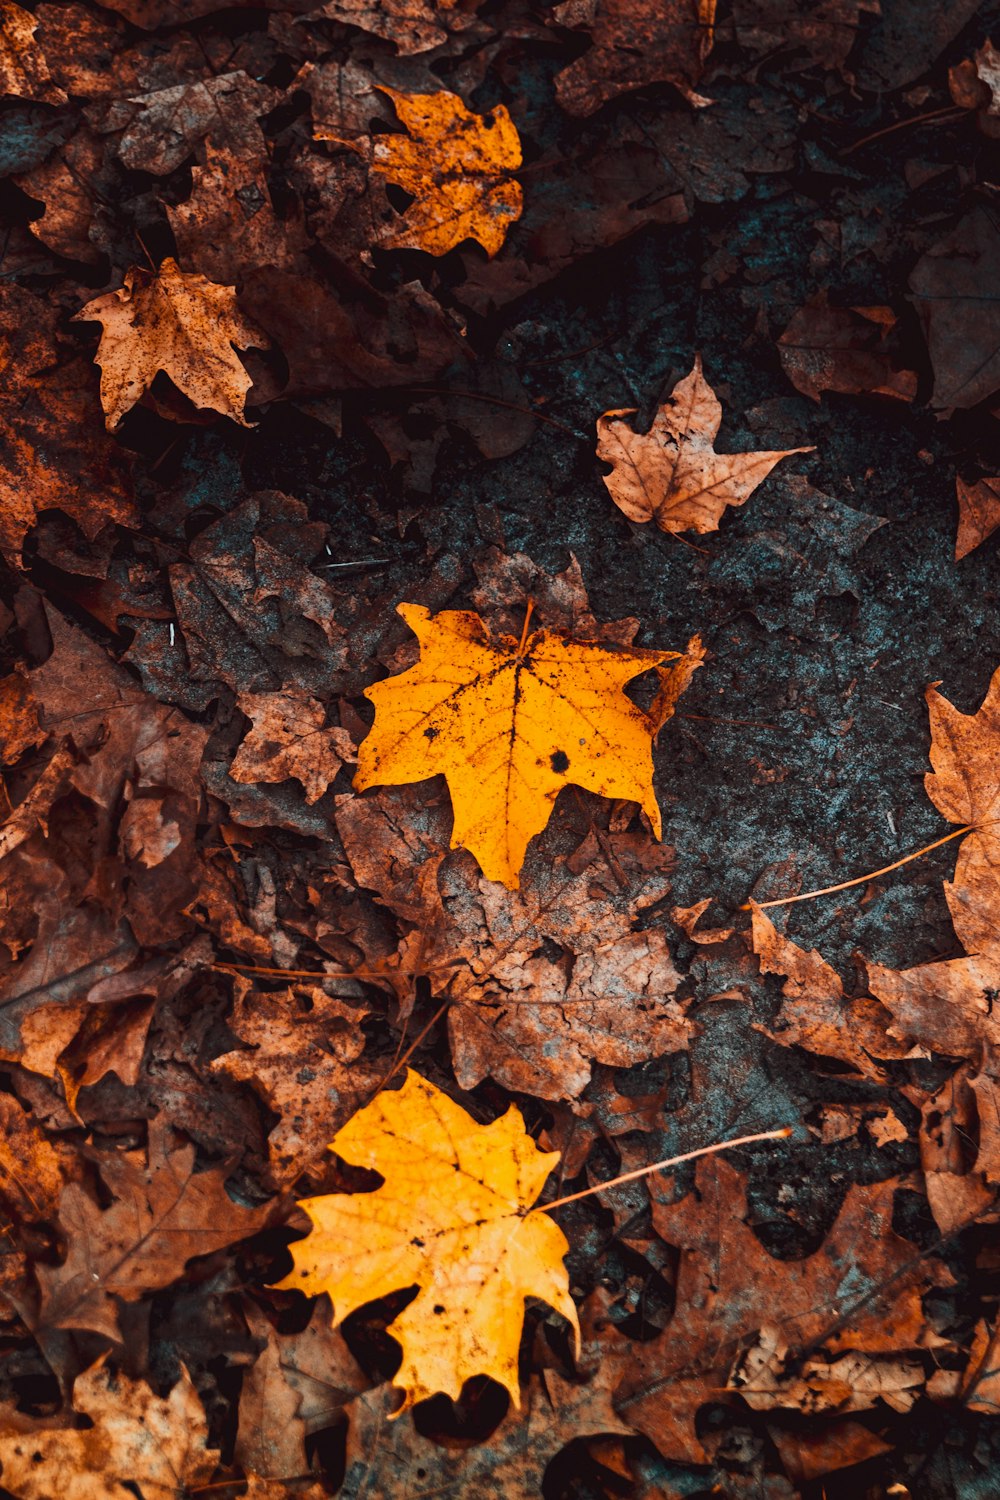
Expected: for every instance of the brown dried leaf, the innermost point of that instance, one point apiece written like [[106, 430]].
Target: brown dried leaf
[[163, 1214], [634, 45], [672, 474], [844, 349], [304, 1062], [24, 72], [137, 1441], [288, 738], [177, 322], [816, 1014], [978, 513]]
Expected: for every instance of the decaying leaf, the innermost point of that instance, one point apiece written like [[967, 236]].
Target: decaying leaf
[[383, 1456], [815, 1012], [163, 1213], [672, 474], [54, 452], [177, 322], [304, 1047], [24, 72], [452, 1217], [543, 981], [458, 167], [509, 725], [978, 514], [860, 1291], [138, 1442], [634, 45], [288, 738], [948, 1006], [844, 349]]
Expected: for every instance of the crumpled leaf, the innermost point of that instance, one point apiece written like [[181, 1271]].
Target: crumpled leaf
[[304, 1061], [768, 1380], [177, 322], [53, 451], [861, 1291], [554, 714], [672, 474], [170, 122], [383, 1456], [138, 1441], [978, 513], [413, 25], [288, 738], [545, 980], [453, 1217], [24, 72], [815, 1012], [458, 167], [654, 41]]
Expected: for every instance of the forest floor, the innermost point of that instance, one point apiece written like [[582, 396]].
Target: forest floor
[[163, 917]]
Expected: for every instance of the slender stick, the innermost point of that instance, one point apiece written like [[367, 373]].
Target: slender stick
[[671, 1161], [844, 885]]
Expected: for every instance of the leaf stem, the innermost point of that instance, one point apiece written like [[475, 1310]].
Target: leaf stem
[[828, 890], [524, 627], [670, 1161]]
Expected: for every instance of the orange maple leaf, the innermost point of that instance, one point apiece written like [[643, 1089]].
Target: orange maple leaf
[[457, 165], [177, 322], [453, 1217], [672, 474], [509, 725]]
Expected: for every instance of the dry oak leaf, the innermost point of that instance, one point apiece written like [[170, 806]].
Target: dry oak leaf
[[138, 1443], [457, 166], [163, 1213], [948, 1006], [978, 513], [672, 474], [177, 322], [24, 73], [453, 1216], [288, 738], [509, 725]]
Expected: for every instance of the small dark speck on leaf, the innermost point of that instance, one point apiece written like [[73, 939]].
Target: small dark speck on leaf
[[559, 761]]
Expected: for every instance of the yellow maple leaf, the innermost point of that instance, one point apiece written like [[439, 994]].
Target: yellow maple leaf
[[177, 322], [457, 166], [452, 1217], [672, 474], [509, 724]]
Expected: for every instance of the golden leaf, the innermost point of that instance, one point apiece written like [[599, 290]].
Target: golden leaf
[[509, 725], [177, 322], [457, 166], [451, 1217], [672, 474]]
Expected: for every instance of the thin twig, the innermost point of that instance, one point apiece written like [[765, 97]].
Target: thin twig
[[670, 1161], [932, 114], [828, 890]]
